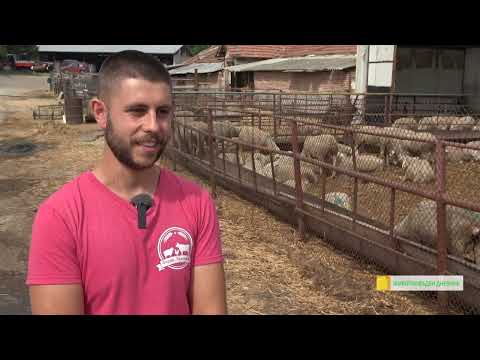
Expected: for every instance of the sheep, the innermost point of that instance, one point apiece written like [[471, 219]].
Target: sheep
[[258, 159], [457, 155], [229, 157], [463, 229], [365, 163], [255, 137], [225, 129], [284, 170], [472, 154], [322, 147], [408, 123], [417, 170], [423, 149], [340, 199], [436, 122], [377, 137], [344, 149], [476, 128], [463, 123]]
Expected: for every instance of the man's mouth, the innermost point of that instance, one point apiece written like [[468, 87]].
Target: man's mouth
[[150, 144]]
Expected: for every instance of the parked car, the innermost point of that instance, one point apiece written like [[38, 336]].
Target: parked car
[[42, 67], [73, 66]]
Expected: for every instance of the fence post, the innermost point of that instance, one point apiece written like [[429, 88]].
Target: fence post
[[298, 181], [442, 236], [212, 156], [274, 120], [196, 80], [355, 184]]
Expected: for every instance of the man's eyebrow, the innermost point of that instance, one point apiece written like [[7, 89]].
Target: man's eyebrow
[[135, 106]]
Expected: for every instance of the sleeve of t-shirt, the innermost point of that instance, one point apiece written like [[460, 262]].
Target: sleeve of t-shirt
[[52, 255], [208, 247]]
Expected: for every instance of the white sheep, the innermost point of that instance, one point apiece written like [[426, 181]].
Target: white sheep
[[379, 137], [463, 229], [456, 155], [423, 149], [284, 170], [229, 157], [417, 170], [344, 149], [436, 122], [322, 147], [408, 123], [255, 137], [364, 163], [472, 154], [257, 157], [463, 123]]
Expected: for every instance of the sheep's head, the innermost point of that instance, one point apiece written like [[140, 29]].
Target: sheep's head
[[476, 235]]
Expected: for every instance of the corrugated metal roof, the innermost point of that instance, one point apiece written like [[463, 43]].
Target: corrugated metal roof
[[150, 49], [299, 64], [202, 68]]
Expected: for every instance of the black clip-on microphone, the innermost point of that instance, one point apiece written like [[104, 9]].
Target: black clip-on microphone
[[142, 202]]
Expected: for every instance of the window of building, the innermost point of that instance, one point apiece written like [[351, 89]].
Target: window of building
[[404, 58], [424, 58]]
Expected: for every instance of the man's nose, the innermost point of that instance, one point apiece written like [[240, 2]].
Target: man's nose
[[150, 123]]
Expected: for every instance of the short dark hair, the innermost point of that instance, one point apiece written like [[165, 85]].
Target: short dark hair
[[130, 64]]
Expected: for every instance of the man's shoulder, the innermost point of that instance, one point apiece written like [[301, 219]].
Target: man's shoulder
[[65, 195], [184, 186]]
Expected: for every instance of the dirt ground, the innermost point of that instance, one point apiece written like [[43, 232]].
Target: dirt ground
[[267, 271]]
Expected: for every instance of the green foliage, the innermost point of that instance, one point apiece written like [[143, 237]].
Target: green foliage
[[3, 53], [197, 48], [30, 50]]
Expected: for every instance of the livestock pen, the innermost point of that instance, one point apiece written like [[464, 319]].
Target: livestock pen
[[367, 197], [381, 198]]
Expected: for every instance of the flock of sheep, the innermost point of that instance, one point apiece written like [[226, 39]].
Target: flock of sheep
[[415, 155]]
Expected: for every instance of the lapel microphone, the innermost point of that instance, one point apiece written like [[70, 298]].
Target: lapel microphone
[[142, 202]]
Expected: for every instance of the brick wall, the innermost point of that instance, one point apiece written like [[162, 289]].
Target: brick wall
[[324, 81]]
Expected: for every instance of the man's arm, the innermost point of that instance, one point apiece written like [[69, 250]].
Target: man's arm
[[57, 299], [207, 292]]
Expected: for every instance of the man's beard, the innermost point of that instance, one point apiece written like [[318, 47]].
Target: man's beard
[[122, 149]]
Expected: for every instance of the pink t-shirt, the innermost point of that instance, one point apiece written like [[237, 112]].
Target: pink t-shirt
[[86, 234]]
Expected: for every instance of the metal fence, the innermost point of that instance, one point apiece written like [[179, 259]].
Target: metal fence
[[403, 198], [390, 178]]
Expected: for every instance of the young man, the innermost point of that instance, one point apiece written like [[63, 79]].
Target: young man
[[89, 254]]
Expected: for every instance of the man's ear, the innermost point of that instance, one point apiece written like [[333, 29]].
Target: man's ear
[[100, 111]]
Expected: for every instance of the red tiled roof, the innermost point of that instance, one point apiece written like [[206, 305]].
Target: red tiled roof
[[269, 52], [303, 50], [275, 51], [206, 56]]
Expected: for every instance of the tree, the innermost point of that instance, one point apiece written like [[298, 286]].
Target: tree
[[197, 48], [3, 53], [30, 50]]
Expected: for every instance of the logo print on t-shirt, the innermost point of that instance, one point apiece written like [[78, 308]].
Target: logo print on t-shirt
[[174, 248]]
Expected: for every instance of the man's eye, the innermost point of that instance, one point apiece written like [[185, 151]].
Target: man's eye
[[136, 111]]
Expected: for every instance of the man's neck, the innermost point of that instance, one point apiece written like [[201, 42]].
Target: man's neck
[[124, 181]]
